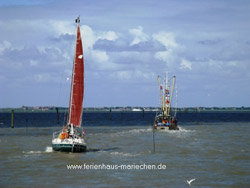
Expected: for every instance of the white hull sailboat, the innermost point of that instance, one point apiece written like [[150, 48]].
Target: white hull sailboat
[[71, 138], [166, 118]]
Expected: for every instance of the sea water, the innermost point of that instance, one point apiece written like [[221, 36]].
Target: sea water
[[211, 148]]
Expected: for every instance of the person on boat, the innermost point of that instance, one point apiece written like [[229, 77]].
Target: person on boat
[[167, 124], [63, 134], [164, 122], [158, 123], [155, 123], [174, 125], [171, 126], [83, 133], [175, 121], [71, 132]]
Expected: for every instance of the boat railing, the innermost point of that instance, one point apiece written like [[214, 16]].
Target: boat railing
[[77, 132], [56, 134]]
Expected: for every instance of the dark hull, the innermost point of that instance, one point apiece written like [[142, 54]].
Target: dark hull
[[69, 148], [166, 127], [173, 128]]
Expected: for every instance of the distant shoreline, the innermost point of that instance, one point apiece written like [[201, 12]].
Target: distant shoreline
[[52, 109]]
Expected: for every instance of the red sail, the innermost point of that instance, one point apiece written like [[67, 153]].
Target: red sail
[[77, 85]]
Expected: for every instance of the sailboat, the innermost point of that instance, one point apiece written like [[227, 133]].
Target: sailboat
[[71, 137], [166, 118]]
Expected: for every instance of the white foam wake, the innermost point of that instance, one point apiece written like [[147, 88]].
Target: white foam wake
[[132, 131], [32, 152], [122, 154], [48, 149], [180, 131], [140, 130]]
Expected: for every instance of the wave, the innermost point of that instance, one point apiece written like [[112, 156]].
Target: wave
[[122, 154], [146, 130], [32, 152], [181, 133], [48, 149], [119, 154], [132, 131], [140, 130], [181, 130]]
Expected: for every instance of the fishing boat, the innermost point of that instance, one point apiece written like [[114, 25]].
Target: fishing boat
[[166, 117], [71, 137]]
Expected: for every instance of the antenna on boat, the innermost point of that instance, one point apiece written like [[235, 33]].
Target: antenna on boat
[[78, 19], [172, 92]]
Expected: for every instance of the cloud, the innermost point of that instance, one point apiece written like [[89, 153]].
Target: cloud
[[62, 27], [210, 42], [170, 55], [121, 45], [33, 62], [166, 56], [133, 76], [167, 39], [100, 56], [20, 65], [90, 37], [139, 35], [185, 65], [112, 46], [44, 77], [4, 45], [108, 35], [54, 54], [63, 37], [102, 61], [36, 50]]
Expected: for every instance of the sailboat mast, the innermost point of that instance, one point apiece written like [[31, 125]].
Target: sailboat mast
[[71, 87], [70, 100]]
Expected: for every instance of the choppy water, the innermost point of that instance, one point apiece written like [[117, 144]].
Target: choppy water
[[216, 154]]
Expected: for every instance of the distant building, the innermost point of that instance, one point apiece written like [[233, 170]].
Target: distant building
[[136, 110]]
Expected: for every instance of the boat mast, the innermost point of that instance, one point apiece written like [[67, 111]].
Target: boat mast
[[161, 94], [176, 100], [172, 92], [72, 79], [166, 95], [71, 91]]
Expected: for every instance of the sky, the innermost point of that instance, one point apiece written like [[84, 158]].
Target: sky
[[127, 44]]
